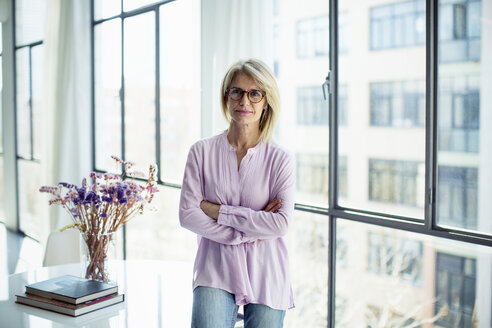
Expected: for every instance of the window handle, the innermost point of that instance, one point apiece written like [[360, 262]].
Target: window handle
[[326, 85]]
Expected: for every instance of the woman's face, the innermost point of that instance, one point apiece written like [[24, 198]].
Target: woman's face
[[243, 111]]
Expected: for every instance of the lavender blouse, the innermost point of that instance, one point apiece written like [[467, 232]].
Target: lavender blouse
[[243, 252]]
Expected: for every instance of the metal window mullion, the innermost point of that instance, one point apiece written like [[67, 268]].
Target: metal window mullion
[[93, 89], [31, 129], [157, 94], [122, 104], [333, 156], [14, 88], [431, 115]]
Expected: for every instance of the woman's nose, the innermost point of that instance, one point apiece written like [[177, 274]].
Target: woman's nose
[[244, 99]]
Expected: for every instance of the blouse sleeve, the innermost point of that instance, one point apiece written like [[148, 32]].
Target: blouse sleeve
[[261, 224], [191, 215]]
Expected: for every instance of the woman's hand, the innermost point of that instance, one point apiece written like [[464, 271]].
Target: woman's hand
[[211, 209], [273, 206]]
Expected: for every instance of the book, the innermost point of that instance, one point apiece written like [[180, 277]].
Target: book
[[67, 308], [71, 289]]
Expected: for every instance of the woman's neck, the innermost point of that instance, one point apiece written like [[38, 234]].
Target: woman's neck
[[243, 137]]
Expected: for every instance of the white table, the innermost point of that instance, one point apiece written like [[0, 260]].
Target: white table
[[157, 294]]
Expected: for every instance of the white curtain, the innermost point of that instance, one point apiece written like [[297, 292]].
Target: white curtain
[[231, 30], [67, 116]]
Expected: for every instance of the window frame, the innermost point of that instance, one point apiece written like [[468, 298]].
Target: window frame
[[429, 225]]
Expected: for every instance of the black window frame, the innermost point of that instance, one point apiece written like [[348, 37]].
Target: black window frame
[[429, 225]]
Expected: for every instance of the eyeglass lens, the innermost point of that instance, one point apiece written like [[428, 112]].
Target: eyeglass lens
[[253, 95]]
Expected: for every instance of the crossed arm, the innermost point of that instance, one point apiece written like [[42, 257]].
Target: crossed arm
[[229, 224], [212, 209]]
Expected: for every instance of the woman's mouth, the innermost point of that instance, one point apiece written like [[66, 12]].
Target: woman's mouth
[[243, 112]]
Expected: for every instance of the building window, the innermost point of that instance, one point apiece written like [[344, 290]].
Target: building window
[[458, 196], [459, 31], [312, 109], [455, 289], [398, 25], [398, 104], [393, 181], [459, 114], [313, 37], [393, 256], [312, 173]]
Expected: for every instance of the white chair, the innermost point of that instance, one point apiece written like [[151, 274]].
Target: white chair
[[62, 248]]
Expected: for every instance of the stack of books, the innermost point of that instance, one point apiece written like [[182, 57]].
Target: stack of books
[[70, 295]]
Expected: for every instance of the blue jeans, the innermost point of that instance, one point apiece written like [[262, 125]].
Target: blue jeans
[[216, 308]]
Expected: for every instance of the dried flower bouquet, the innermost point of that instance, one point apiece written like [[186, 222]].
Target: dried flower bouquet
[[100, 209]]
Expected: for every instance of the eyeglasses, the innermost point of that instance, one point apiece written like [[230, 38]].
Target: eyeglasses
[[254, 96]]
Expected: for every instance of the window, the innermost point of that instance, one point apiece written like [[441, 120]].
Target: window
[[312, 37], [147, 108], [393, 181], [395, 257], [458, 196], [311, 107], [29, 56], [459, 100], [456, 281], [312, 173], [391, 278], [398, 104], [459, 30], [398, 25]]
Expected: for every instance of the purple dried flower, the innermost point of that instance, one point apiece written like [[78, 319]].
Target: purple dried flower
[[81, 193]]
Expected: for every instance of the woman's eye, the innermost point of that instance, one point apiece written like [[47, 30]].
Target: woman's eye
[[236, 92], [255, 93]]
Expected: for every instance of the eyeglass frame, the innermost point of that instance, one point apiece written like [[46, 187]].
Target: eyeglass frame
[[247, 93]]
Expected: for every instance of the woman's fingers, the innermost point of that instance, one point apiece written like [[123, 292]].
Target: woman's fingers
[[274, 205]]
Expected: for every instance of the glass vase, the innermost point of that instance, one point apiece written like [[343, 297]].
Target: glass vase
[[96, 253]]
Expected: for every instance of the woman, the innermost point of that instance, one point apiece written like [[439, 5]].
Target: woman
[[238, 197]]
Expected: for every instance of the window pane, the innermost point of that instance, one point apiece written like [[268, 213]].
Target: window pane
[[463, 118], [179, 94], [383, 138], [308, 253], [392, 278], [303, 122], [37, 98], [107, 77], [398, 25], [312, 37], [139, 74], [154, 235], [23, 98], [459, 31], [30, 199], [106, 8], [29, 21]]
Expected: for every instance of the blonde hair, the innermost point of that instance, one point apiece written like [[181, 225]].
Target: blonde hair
[[264, 78]]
